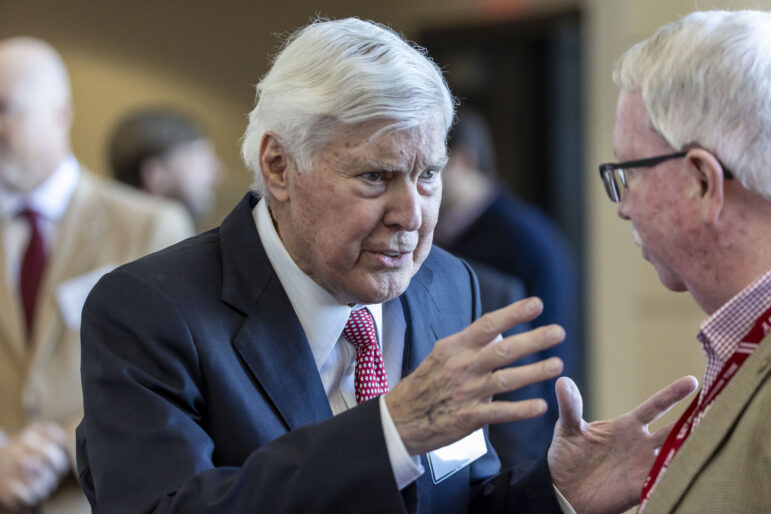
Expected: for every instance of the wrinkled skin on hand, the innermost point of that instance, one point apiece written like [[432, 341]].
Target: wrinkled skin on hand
[[450, 394], [600, 467]]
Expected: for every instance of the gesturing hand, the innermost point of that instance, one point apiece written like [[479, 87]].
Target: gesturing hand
[[450, 394], [31, 464], [600, 467]]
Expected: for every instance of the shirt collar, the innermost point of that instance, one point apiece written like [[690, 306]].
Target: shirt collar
[[321, 315], [722, 332], [49, 199]]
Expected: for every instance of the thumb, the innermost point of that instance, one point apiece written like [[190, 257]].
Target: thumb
[[571, 405]]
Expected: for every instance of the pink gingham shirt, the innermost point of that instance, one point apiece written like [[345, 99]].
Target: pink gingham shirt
[[721, 334]]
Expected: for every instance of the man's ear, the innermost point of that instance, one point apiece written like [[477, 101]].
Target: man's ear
[[274, 166], [154, 177], [709, 173]]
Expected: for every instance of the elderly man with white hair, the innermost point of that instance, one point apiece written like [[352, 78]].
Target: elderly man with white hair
[[60, 227], [693, 126], [315, 353]]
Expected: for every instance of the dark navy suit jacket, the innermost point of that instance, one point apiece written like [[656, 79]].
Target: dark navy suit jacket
[[202, 396]]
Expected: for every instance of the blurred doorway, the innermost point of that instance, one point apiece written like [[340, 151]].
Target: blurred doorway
[[526, 77]]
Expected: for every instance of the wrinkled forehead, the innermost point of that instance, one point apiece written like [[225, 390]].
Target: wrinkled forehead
[[633, 126], [425, 141]]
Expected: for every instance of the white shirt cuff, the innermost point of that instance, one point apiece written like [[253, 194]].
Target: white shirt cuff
[[406, 468], [563, 503]]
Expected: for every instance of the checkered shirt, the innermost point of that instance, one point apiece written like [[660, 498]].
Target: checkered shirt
[[721, 334]]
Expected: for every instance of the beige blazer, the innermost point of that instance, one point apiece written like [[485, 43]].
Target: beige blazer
[[725, 464], [105, 224]]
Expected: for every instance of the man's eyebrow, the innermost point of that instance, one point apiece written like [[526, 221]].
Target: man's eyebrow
[[440, 164]]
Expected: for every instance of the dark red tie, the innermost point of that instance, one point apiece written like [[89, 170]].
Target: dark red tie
[[371, 380], [32, 267]]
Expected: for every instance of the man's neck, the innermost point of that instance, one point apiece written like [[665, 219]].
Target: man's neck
[[739, 253]]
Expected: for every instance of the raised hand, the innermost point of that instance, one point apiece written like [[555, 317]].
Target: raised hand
[[31, 465], [600, 467], [450, 394]]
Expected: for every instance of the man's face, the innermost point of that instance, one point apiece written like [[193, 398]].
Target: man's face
[[361, 222], [656, 202], [195, 170], [33, 128]]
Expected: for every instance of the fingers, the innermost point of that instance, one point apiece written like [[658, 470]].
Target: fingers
[[42, 449], [31, 464], [486, 328], [503, 352], [505, 412], [508, 379], [657, 405], [571, 405], [661, 434]]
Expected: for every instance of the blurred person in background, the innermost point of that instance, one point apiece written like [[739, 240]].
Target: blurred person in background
[[482, 221], [60, 228], [693, 129], [165, 153]]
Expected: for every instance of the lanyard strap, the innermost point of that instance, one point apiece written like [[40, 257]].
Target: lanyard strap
[[684, 425]]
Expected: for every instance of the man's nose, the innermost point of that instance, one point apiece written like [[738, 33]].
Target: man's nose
[[621, 208], [404, 208]]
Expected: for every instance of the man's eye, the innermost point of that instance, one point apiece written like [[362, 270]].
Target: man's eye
[[372, 176], [429, 175]]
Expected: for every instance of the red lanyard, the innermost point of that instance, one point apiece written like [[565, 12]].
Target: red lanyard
[[684, 425]]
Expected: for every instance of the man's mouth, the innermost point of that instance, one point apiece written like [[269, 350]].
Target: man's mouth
[[636, 237], [392, 258]]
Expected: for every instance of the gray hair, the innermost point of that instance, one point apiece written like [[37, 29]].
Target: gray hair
[[334, 73], [706, 80]]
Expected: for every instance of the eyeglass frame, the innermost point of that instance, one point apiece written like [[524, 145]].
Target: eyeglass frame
[[611, 186]]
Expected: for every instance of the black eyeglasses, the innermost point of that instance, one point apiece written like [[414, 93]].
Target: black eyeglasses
[[614, 177]]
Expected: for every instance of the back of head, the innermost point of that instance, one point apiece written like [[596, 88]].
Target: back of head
[[333, 73], [706, 80], [146, 134], [472, 134]]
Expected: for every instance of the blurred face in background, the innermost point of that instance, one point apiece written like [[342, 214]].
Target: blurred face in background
[[35, 115], [190, 173]]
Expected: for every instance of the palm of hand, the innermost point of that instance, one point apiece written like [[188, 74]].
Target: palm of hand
[[600, 467]]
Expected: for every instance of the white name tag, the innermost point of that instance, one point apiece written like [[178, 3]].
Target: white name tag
[[71, 295], [444, 462]]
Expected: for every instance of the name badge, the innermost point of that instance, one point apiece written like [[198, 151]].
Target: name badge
[[444, 462]]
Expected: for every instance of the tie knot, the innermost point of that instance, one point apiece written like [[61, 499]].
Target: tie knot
[[360, 328], [370, 380], [30, 214]]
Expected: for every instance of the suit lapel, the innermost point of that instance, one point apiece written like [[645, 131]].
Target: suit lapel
[[701, 445], [271, 340], [421, 316], [12, 331], [73, 253]]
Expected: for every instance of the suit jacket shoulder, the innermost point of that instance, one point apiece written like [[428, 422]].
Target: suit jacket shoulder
[[725, 464]]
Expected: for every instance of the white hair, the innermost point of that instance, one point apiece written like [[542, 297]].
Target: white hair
[[341, 72], [706, 80]]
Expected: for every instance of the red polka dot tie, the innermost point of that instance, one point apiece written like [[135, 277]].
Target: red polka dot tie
[[371, 380]]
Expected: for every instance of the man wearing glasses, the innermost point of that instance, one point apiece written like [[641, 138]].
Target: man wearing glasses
[[695, 101]]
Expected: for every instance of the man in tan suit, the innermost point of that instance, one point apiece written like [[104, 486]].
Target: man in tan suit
[[694, 127], [60, 229]]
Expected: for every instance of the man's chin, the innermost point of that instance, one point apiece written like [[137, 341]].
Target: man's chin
[[670, 281]]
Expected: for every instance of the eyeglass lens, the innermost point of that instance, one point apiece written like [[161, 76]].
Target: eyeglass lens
[[615, 183]]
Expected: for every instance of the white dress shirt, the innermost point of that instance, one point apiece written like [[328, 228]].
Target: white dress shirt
[[49, 200], [323, 319]]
